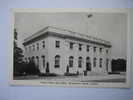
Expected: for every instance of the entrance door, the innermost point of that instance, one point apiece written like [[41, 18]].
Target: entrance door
[[88, 64]]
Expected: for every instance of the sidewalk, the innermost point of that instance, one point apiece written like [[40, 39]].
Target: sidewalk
[[100, 78], [80, 78]]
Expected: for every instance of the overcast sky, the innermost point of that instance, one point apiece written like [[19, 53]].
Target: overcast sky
[[108, 26]]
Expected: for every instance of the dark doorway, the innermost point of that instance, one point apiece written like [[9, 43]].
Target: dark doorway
[[88, 64]]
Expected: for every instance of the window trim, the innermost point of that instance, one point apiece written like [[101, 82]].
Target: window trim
[[37, 46], [43, 44], [71, 45], [80, 47], [94, 62], [107, 51], [100, 49], [33, 47], [100, 62], [57, 44], [43, 60], [94, 49], [88, 59], [57, 61], [80, 61], [87, 48], [71, 60]]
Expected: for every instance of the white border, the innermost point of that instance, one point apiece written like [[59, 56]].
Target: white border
[[90, 84]]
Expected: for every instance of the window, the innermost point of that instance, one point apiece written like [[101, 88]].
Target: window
[[57, 61], [80, 62], [33, 47], [43, 61], [94, 49], [94, 62], [80, 47], [100, 49], [71, 61], [37, 59], [88, 59], [57, 44], [37, 46], [71, 45], [88, 64], [29, 48], [107, 51], [43, 44], [107, 63], [100, 62], [87, 48]]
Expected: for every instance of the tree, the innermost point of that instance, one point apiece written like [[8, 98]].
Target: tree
[[118, 65], [18, 55], [30, 68]]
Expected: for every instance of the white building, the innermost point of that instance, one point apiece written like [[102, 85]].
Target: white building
[[61, 48]]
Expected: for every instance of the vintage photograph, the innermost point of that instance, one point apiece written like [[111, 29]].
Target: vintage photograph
[[70, 47]]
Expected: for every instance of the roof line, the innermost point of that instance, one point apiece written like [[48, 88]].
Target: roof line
[[44, 30]]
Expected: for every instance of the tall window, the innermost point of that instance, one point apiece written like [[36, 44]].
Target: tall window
[[88, 64], [37, 59], [94, 49], [43, 61], [80, 47], [100, 49], [88, 59], [100, 62], [37, 46], [107, 63], [87, 48], [80, 60], [71, 45], [57, 44], [43, 44], [57, 61], [107, 51], [94, 62], [71, 61]]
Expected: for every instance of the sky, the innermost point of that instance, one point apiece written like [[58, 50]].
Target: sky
[[107, 26]]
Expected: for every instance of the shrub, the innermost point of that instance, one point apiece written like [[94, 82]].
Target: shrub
[[31, 69], [118, 65], [47, 74], [70, 74]]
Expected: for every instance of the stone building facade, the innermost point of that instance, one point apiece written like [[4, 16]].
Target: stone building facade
[[62, 48]]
